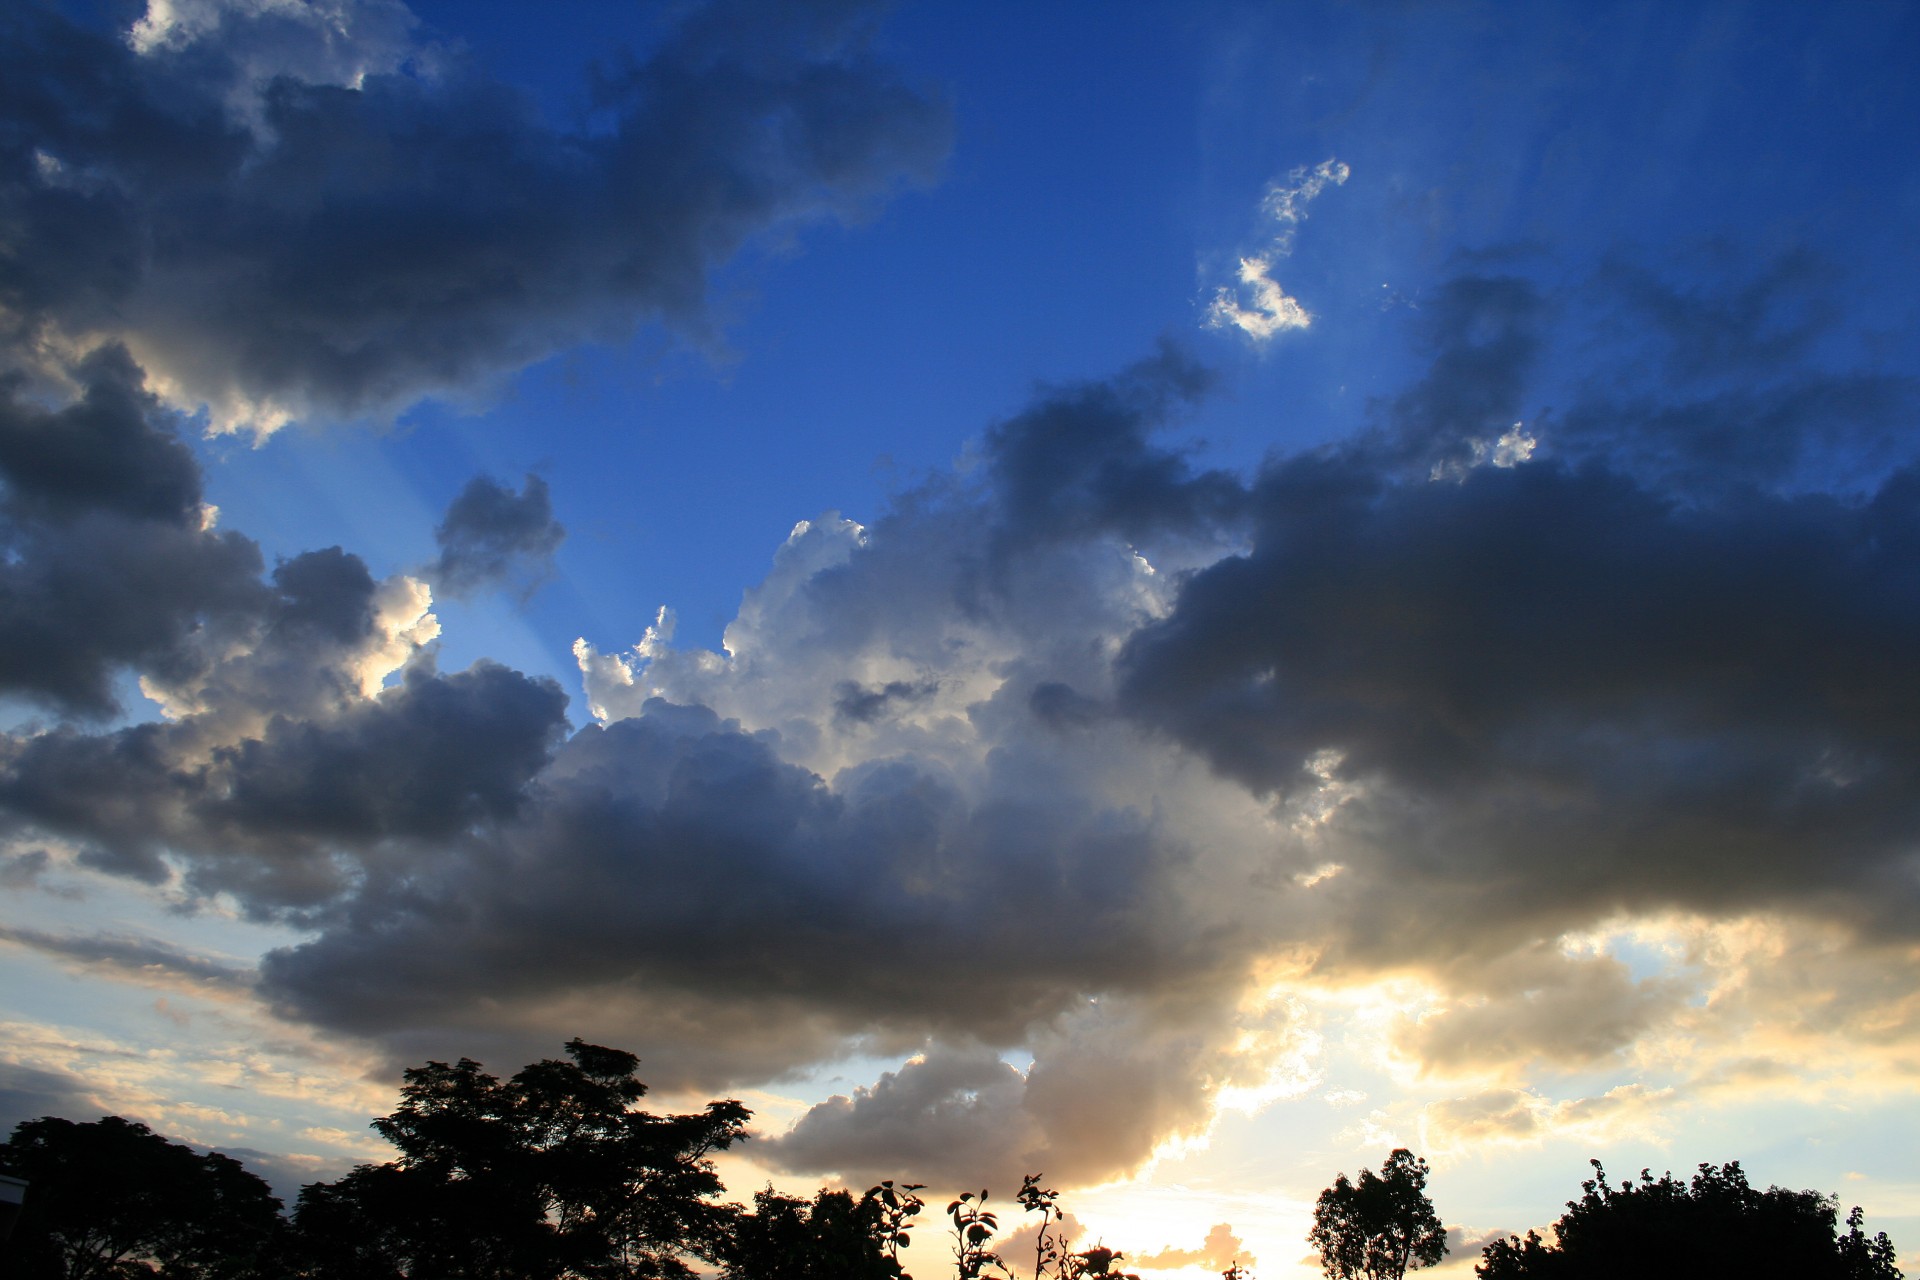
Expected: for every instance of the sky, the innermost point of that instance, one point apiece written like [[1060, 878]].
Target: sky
[[1176, 595]]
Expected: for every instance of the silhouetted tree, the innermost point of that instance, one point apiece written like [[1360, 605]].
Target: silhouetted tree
[[834, 1238], [1379, 1226], [1717, 1225], [112, 1199], [550, 1174]]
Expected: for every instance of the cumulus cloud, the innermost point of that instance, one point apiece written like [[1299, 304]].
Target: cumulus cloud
[[108, 558], [952, 1116], [286, 213], [492, 536], [1082, 755], [336, 42], [282, 739], [1220, 1250], [262, 815], [1558, 660], [1571, 662], [815, 785], [1540, 1004], [1257, 305]]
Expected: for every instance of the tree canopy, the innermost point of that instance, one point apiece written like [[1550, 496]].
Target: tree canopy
[[111, 1198], [835, 1237], [552, 1174], [1380, 1225], [1717, 1224], [556, 1174]]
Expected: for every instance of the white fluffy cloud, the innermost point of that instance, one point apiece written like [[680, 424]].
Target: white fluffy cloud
[[1257, 305]]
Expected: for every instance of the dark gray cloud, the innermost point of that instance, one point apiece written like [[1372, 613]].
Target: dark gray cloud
[[951, 1117], [430, 758], [862, 705], [649, 840], [1081, 461], [112, 450], [24, 869], [1814, 431], [1740, 322], [1482, 336], [287, 1177], [105, 562], [267, 817], [1662, 656], [1506, 696], [1708, 706], [492, 536], [344, 250], [28, 1093], [1057, 752]]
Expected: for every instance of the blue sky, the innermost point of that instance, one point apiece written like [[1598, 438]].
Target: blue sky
[[1463, 703]]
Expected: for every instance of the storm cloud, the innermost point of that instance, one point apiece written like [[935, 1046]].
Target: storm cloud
[[1693, 697], [277, 233], [492, 536], [108, 558], [1061, 754]]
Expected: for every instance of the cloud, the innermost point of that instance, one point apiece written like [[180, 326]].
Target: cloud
[[1539, 1004], [816, 785], [1749, 394], [1082, 755], [952, 1116], [336, 42], [1114, 1080], [147, 960], [109, 560], [1081, 462], [1220, 1250], [1258, 306], [29, 1092], [263, 816], [1481, 334], [289, 214], [492, 536], [864, 705], [1020, 1242], [1508, 1116], [1550, 664]]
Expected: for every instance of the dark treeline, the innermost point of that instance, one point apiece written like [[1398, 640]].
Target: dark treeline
[[556, 1174]]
